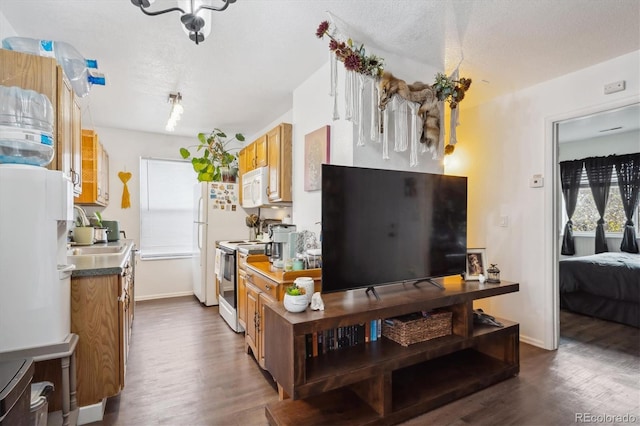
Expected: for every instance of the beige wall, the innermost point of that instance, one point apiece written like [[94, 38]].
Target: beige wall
[[154, 278], [502, 144]]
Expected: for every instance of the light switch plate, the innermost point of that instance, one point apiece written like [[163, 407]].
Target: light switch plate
[[614, 87], [537, 181]]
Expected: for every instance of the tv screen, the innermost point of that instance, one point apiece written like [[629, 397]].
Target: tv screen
[[387, 226]]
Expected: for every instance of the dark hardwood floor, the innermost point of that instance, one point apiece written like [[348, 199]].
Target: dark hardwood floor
[[186, 367]]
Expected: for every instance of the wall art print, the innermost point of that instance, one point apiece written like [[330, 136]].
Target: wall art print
[[316, 153]]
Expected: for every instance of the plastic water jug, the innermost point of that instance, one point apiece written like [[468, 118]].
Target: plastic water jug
[[76, 68], [26, 127]]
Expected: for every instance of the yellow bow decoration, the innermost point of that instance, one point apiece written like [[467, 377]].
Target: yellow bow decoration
[[126, 198]]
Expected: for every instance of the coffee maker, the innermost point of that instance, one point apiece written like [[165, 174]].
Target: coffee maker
[[279, 249]]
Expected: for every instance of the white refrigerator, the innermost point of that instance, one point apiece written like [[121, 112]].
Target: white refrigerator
[[217, 216], [36, 210]]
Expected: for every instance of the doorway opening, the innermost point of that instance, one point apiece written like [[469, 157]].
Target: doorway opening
[[595, 132]]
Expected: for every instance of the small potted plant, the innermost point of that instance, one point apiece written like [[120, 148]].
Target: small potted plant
[[216, 162], [295, 299]]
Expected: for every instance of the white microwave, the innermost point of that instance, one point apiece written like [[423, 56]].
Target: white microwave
[[254, 187]]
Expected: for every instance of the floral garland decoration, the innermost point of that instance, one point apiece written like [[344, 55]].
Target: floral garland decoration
[[450, 90], [446, 88], [354, 59]]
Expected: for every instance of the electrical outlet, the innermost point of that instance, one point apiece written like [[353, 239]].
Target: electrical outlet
[[617, 86]]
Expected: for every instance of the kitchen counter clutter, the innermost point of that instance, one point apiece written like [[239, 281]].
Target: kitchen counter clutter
[[92, 264], [279, 275]]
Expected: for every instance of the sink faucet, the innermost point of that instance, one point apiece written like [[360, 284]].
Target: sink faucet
[[84, 221]]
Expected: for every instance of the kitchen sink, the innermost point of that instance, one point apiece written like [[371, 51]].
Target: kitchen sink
[[96, 250]]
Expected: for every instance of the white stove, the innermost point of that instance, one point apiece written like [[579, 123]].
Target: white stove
[[228, 273], [244, 246]]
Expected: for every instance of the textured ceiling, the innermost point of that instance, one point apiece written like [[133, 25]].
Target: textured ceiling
[[242, 77]]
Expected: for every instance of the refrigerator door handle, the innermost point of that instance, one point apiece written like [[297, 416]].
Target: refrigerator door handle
[[199, 235], [200, 222], [200, 218]]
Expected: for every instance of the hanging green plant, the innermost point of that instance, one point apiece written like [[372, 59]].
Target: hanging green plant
[[451, 90], [215, 156]]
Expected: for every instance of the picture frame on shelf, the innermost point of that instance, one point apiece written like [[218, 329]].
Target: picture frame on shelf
[[476, 264]]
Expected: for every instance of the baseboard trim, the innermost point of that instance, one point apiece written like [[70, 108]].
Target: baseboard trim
[[164, 295], [92, 413], [530, 341]]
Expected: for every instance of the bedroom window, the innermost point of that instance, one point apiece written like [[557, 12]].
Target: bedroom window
[[586, 215]]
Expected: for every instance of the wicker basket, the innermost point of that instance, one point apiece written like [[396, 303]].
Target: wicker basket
[[414, 328]]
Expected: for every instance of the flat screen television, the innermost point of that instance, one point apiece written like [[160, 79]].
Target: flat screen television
[[386, 226]]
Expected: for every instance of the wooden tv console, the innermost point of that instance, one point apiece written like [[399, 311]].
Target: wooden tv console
[[383, 382]]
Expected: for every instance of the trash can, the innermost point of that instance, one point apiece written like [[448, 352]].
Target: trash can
[[40, 403], [15, 377]]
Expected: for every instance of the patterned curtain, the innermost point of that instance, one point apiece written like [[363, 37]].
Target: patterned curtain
[[570, 174], [599, 171], [628, 171]]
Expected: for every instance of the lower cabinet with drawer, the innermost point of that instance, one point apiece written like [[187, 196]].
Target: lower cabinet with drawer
[[258, 286], [102, 317], [260, 291]]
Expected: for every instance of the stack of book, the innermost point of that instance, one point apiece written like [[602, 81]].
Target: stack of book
[[324, 341]]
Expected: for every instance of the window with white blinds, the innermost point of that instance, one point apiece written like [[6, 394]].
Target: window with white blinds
[[166, 208]]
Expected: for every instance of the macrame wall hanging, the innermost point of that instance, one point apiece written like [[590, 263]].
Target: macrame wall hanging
[[385, 108], [126, 197]]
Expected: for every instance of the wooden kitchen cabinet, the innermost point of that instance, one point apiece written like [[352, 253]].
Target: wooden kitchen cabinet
[[251, 337], [45, 76], [262, 288], [263, 300], [103, 173], [76, 148], [68, 139], [273, 149], [260, 291], [253, 155], [242, 285], [102, 317], [280, 164], [95, 166], [254, 337]]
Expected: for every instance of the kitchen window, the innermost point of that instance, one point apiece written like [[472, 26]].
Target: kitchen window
[[166, 208]]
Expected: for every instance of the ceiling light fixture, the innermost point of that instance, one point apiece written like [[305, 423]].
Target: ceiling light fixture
[[176, 111], [192, 14]]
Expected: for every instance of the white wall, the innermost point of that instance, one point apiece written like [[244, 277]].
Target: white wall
[[618, 144], [154, 278], [6, 30], [273, 212], [313, 108], [501, 145]]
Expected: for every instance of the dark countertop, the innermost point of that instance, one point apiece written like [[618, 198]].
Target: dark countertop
[[102, 264]]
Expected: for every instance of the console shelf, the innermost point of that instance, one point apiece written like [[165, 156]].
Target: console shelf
[[382, 382]]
